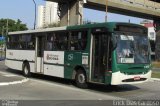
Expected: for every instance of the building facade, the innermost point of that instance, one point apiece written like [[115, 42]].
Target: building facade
[[47, 14], [151, 36], [41, 16], [151, 29]]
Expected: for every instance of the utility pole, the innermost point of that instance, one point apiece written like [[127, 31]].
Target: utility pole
[[2, 30], [106, 10], [7, 28], [35, 10], [1, 46]]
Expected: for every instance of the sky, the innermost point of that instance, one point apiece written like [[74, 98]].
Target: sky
[[24, 10]]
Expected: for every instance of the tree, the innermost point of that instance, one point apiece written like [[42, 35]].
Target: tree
[[12, 26], [52, 25]]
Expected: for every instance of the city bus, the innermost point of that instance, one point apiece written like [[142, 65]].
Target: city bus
[[110, 53]]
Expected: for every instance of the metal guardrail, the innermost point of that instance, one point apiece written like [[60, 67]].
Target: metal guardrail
[[142, 3], [2, 53]]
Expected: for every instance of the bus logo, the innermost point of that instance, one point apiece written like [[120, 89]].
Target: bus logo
[[70, 57], [52, 57]]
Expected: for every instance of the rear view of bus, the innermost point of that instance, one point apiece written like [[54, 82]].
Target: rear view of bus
[[131, 61]]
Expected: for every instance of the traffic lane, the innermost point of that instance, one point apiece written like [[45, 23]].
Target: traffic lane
[[37, 89], [92, 87], [9, 78], [58, 89], [41, 87], [57, 86], [145, 91], [149, 90]]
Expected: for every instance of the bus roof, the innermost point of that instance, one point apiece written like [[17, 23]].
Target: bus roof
[[109, 25], [38, 30]]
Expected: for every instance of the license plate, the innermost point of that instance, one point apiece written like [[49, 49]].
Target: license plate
[[137, 78]]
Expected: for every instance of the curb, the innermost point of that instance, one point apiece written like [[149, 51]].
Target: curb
[[156, 69], [155, 79]]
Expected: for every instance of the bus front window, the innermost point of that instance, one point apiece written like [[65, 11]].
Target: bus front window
[[132, 49]]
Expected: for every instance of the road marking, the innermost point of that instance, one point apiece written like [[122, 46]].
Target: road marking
[[76, 89], [10, 75], [5, 73], [14, 82]]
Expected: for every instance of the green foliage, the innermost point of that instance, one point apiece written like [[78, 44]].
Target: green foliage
[[12, 26], [1, 42], [52, 25], [156, 64], [155, 74]]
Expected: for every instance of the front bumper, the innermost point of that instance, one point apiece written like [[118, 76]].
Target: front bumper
[[119, 78]]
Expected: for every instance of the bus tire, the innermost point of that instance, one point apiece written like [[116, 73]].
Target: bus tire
[[81, 79], [26, 70]]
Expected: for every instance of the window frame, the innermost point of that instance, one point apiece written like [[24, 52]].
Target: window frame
[[68, 34], [18, 42]]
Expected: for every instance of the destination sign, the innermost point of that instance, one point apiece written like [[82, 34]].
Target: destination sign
[[133, 29]]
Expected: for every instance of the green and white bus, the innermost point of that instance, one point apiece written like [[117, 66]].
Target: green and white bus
[[106, 53]]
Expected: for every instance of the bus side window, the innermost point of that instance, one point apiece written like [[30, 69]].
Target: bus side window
[[50, 42], [9, 42], [57, 41], [61, 41], [78, 40], [31, 43], [27, 42], [13, 42]]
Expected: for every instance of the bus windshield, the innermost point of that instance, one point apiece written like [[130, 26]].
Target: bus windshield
[[132, 49]]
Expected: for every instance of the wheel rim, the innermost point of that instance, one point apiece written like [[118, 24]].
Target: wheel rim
[[26, 71], [81, 78]]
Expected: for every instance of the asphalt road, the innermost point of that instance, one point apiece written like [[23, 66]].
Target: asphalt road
[[40, 88]]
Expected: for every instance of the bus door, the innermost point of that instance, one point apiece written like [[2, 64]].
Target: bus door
[[100, 56], [39, 53]]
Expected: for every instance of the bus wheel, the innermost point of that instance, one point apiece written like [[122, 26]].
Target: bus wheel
[[81, 79], [26, 70]]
